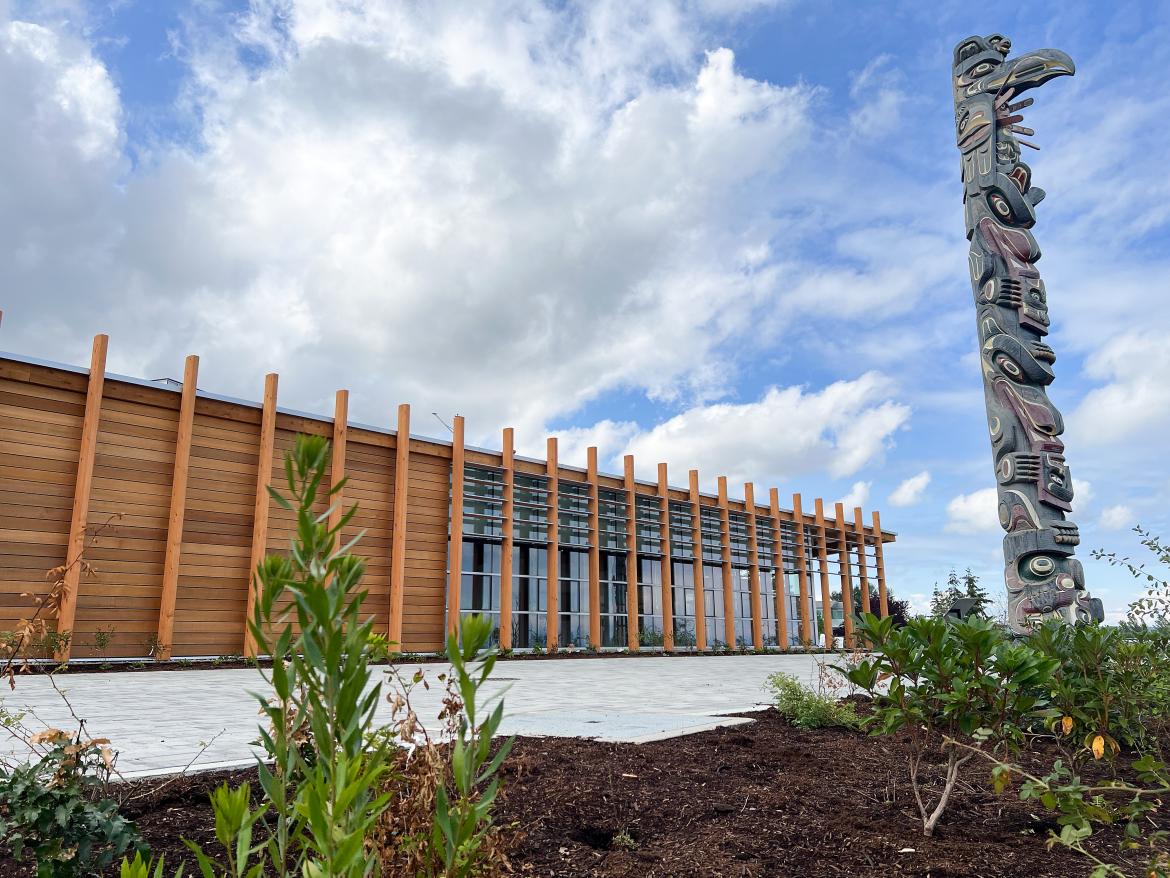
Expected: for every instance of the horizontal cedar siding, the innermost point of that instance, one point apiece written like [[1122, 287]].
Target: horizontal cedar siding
[[369, 472], [429, 486], [217, 535], [131, 491]]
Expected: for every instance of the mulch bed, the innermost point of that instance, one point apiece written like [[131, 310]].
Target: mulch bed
[[762, 799]]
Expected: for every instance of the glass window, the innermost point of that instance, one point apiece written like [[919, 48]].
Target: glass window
[[682, 539], [530, 500], [615, 616], [483, 501], [480, 582], [649, 601], [738, 531], [711, 531], [529, 596], [573, 606], [649, 524], [611, 509], [741, 595], [573, 503], [713, 605], [682, 587]]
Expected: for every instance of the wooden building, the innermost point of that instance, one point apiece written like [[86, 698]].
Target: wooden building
[[162, 489]]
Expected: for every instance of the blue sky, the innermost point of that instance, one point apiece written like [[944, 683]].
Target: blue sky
[[712, 233]]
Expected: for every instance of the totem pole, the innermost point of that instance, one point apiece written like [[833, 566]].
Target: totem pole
[[1035, 489]]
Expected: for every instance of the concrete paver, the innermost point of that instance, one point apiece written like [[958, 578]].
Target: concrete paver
[[159, 720]]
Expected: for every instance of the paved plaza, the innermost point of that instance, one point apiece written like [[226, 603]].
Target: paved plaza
[[159, 720]]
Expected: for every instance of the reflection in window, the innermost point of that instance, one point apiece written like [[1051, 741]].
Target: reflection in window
[[573, 500], [649, 601], [529, 596], [480, 583], [741, 596], [483, 502], [711, 532], [682, 587], [615, 614], [611, 508], [713, 605], [682, 536], [530, 508], [649, 524], [573, 609]]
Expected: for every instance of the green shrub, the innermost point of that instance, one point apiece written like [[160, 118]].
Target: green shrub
[[807, 709], [55, 809], [944, 682]]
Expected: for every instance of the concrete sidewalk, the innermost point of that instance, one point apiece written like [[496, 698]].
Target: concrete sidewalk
[[159, 720]]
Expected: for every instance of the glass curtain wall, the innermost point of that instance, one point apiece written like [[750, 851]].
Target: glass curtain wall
[[649, 544], [765, 548], [682, 574], [741, 590], [483, 517], [711, 534], [615, 615], [573, 530], [530, 504]]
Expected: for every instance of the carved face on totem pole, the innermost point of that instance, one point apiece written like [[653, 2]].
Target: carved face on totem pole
[[1043, 578]]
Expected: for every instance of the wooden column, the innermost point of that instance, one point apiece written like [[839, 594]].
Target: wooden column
[[170, 581], [781, 583], [862, 561], [75, 548], [697, 575], [260, 512], [667, 591], [631, 555], [749, 494], [594, 548], [509, 456], [879, 559], [337, 459], [398, 532], [455, 543], [846, 574], [554, 555], [823, 559], [728, 592], [802, 576]]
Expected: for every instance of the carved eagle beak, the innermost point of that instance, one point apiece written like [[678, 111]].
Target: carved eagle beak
[[1036, 68]]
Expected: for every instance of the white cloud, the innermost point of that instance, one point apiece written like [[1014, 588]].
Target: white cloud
[[1135, 396], [858, 496], [909, 492], [788, 432], [1116, 517], [976, 512], [467, 207]]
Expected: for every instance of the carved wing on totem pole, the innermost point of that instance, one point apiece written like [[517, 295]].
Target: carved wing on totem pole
[[1043, 578]]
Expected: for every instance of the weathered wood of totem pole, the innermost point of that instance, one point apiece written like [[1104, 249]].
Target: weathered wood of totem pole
[[1035, 489]]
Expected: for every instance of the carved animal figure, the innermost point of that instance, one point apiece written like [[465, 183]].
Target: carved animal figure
[[1035, 489]]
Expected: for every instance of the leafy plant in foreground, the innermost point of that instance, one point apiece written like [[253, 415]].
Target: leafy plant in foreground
[[807, 709], [942, 682], [322, 788], [54, 809]]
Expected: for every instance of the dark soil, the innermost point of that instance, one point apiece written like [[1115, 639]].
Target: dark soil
[[762, 799]]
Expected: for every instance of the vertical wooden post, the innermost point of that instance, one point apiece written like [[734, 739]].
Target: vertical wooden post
[[667, 590], [728, 592], [846, 574], [749, 493], [170, 581], [260, 510], [802, 574], [879, 558], [823, 563], [554, 548], [697, 564], [398, 532], [337, 459], [862, 561], [632, 639], [455, 545], [509, 456], [781, 583], [75, 548], [594, 548]]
